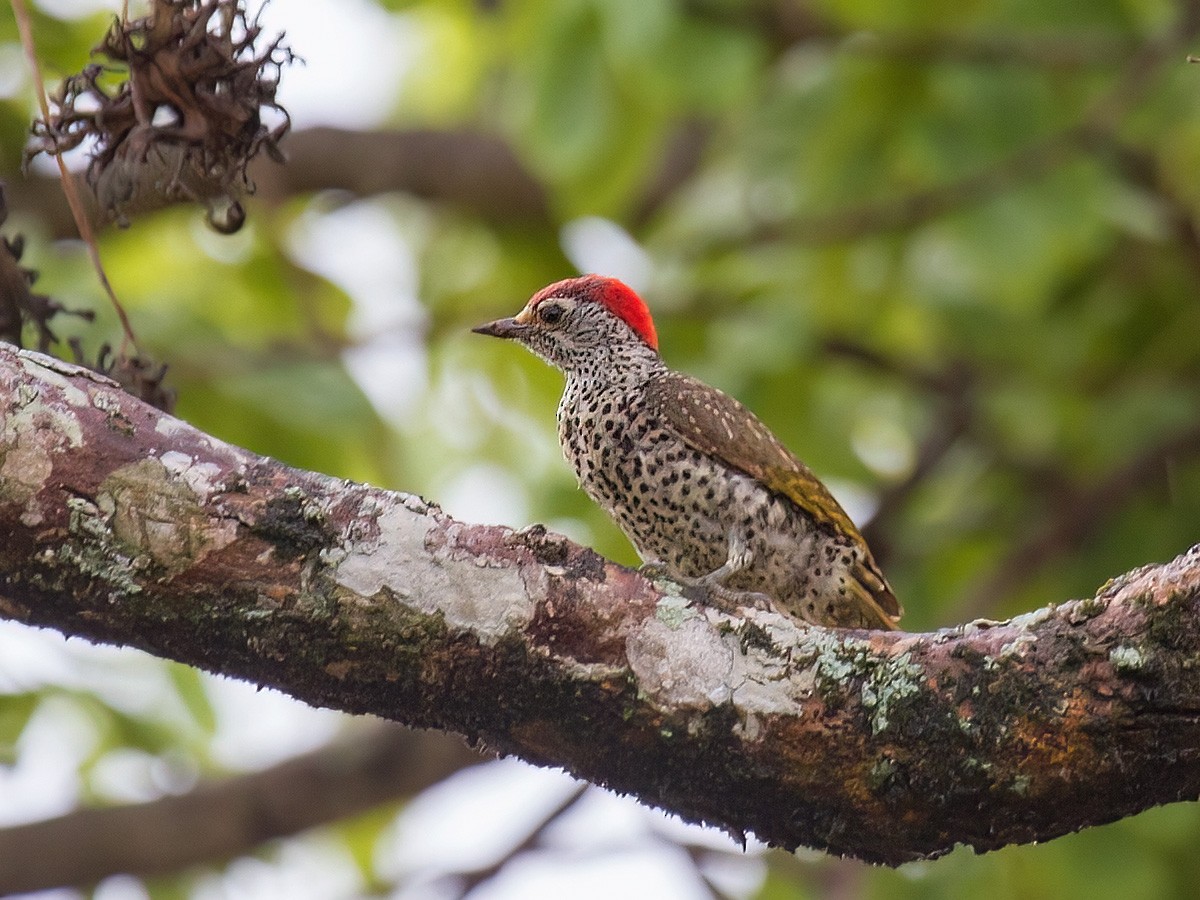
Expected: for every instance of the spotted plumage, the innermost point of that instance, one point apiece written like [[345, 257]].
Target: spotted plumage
[[700, 486]]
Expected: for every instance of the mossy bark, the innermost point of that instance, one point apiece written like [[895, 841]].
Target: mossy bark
[[883, 746]]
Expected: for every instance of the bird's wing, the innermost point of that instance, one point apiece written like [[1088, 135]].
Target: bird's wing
[[716, 424]]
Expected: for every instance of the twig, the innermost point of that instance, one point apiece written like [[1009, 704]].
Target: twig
[[1140, 166], [69, 187], [475, 877], [953, 390]]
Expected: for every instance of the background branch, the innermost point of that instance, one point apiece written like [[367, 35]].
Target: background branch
[[475, 170], [1078, 513], [221, 819]]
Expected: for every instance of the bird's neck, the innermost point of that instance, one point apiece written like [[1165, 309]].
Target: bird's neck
[[620, 367]]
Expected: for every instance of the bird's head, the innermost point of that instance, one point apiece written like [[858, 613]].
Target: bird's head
[[581, 322]]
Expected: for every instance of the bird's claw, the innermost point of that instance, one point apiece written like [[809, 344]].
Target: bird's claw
[[709, 590], [654, 569], [717, 595]]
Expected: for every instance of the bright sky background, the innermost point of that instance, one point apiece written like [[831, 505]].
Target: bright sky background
[[607, 846]]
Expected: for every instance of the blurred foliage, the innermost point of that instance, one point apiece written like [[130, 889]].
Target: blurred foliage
[[950, 252]]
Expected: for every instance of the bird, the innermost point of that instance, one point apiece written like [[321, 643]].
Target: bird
[[705, 492]]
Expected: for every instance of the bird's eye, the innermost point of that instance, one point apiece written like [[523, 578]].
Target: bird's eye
[[550, 313]]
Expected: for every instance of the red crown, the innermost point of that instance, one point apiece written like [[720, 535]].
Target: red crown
[[616, 296]]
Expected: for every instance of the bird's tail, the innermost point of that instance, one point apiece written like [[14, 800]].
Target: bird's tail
[[880, 608]]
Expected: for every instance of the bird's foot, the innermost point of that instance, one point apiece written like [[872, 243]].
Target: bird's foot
[[710, 589], [655, 569], [715, 594], [658, 571]]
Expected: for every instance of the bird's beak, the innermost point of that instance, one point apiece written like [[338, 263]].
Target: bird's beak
[[506, 328], [501, 328]]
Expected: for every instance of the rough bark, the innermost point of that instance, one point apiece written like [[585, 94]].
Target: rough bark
[[220, 819], [121, 524]]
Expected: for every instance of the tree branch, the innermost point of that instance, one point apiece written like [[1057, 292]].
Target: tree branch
[[221, 819], [121, 524]]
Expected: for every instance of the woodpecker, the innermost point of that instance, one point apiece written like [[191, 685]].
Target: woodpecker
[[701, 487]]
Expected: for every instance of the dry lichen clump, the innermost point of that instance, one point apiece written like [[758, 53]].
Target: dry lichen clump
[[21, 306], [136, 374], [18, 301], [186, 120]]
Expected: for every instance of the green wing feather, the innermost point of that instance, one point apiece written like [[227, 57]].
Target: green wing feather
[[717, 425]]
